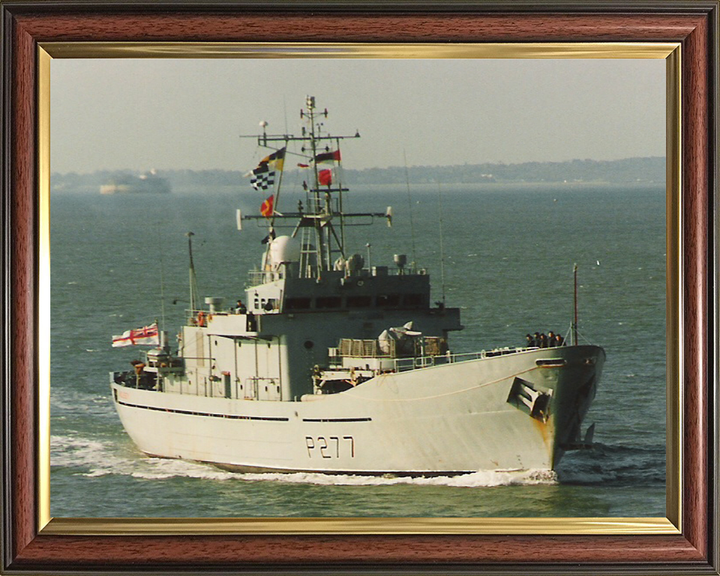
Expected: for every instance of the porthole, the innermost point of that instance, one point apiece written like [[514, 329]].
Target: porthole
[[309, 344]]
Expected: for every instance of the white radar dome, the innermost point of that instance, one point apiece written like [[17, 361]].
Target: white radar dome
[[284, 249]]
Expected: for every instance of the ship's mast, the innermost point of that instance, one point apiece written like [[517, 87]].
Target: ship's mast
[[321, 229], [324, 196]]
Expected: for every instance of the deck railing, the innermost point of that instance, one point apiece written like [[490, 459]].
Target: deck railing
[[405, 364]]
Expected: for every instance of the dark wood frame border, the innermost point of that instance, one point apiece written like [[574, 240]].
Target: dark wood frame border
[[692, 23]]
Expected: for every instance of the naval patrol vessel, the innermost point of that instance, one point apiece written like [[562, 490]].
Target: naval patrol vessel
[[330, 365]]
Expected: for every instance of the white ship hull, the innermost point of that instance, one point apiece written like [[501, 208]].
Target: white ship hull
[[447, 419]]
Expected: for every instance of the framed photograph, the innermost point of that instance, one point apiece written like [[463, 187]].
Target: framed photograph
[[446, 214]]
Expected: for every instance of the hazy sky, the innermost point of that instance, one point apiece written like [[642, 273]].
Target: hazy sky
[[168, 114]]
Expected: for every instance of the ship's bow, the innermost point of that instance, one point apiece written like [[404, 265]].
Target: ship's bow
[[576, 380]]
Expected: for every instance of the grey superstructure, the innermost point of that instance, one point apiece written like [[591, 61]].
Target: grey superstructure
[[330, 365]]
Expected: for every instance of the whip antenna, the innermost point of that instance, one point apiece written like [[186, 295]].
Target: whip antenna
[[575, 302], [412, 223], [193, 277], [442, 246], [162, 280]]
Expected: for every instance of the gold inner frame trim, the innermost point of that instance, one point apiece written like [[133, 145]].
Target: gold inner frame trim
[[43, 395], [674, 290], [579, 50], [286, 526], [336, 526]]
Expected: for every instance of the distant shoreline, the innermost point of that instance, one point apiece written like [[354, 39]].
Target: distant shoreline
[[631, 171], [399, 189]]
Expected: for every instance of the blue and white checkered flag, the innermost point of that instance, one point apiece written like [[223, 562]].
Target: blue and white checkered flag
[[262, 178]]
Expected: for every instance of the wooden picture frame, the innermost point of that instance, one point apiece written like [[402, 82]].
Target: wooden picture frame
[[30, 546]]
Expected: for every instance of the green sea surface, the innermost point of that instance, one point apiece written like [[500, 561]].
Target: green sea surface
[[503, 254]]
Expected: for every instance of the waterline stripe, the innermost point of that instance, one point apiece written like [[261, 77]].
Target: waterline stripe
[[208, 414], [337, 419]]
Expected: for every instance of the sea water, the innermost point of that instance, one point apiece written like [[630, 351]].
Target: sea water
[[503, 254]]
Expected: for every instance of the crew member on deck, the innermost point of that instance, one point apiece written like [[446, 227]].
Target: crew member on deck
[[139, 367], [240, 308], [251, 324]]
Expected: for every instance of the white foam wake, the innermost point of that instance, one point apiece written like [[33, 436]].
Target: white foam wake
[[480, 479], [95, 458], [161, 468]]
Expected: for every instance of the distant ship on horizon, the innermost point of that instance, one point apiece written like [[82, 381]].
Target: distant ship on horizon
[[147, 183]]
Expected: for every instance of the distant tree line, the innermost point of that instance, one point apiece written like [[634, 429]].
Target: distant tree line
[[630, 170], [610, 171]]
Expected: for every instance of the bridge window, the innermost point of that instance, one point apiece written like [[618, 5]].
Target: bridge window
[[413, 300], [359, 301], [388, 300], [328, 302], [297, 303]]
